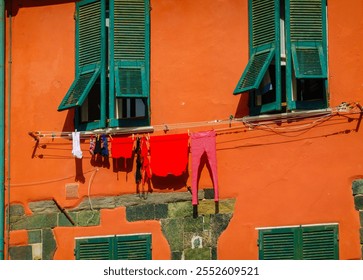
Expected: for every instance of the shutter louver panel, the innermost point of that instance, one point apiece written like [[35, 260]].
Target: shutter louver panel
[[307, 38], [135, 247], [255, 70], [319, 243], [306, 22], [130, 47], [90, 17], [308, 62], [264, 50], [263, 23], [79, 90], [90, 25], [94, 249], [278, 244], [129, 30], [130, 81]]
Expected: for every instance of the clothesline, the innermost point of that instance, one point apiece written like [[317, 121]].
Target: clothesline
[[246, 121], [132, 130]]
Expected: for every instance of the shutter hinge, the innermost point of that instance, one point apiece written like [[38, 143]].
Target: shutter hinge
[[75, 15]]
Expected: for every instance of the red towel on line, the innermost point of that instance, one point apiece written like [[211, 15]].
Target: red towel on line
[[121, 147], [169, 154]]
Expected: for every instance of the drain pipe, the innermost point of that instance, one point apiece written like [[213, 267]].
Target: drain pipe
[[2, 127]]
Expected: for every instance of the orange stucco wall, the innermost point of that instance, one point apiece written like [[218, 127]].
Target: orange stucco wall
[[297, 173]]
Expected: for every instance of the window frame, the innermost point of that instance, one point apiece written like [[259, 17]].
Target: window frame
[[107, 68], [284, 95]]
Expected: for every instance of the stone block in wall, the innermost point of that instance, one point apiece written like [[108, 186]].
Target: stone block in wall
[[63, 220], [208, 207], [38, 221], [358, 202], [16, 210], [173, 230], [209, 193], [140, 212], [48, 220], [43, 207], [37, 251], [176, 255], [193, 224], [88, 218], [180, 209], [21, 253], [357, 187], [361, 218], [161, 211], [49, 244], [198, 254], [34, 236], [219, 223], [214, 253]]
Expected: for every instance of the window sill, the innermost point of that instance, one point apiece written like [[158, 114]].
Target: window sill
[[286, 117], [123, 130]]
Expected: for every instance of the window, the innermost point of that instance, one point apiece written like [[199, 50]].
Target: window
[[310, 242], [111, 87], [287, 69], [117, 247]]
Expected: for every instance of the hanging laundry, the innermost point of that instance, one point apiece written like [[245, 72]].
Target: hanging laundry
[[76, 150], [121, 147], [104, 146], [146, 169], [169, 154], [97, 149], [138, 174], [143, 169], [92, 144], [200, 143]]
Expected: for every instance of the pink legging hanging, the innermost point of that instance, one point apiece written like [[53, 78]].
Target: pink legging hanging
[[200, 143]]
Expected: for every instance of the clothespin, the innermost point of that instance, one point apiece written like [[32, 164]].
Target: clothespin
[[230, 120]]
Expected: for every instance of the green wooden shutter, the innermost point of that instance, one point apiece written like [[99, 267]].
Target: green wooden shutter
[[94, 248], [255, 71], [264, 48], [278, 243], [90, 51], [320, 242], [133, 247], [263, 32], [129, 22], [307, 30]]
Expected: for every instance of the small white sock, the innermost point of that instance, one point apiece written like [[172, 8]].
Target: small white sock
[[76, 151]]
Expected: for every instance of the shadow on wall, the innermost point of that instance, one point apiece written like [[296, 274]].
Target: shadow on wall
[[12, 7], [242, 107]]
